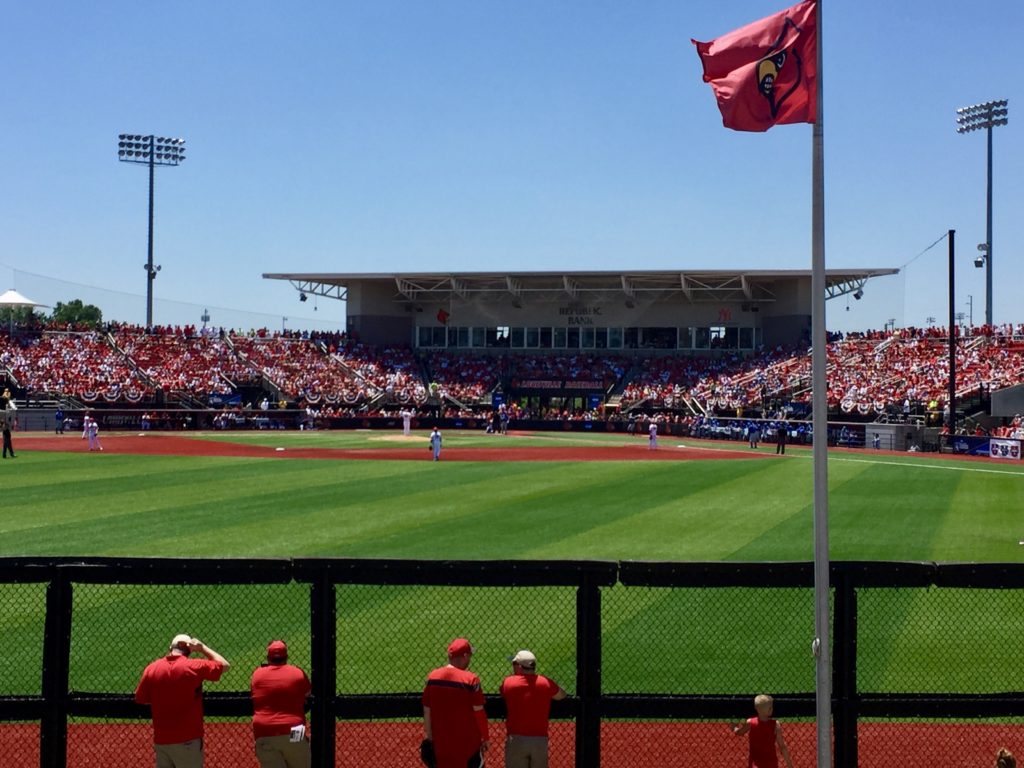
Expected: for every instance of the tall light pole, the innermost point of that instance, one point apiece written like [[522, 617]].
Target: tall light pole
[[952, 338], [975, 118], [151, 151]]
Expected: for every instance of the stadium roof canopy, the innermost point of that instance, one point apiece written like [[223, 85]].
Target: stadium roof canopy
[[695, 286]]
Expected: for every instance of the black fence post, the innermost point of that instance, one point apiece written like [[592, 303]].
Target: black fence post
[[53, 737], [844, 669], [588, 673], [322, 619]]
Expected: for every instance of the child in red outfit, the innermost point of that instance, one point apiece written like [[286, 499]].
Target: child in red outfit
[[765, 735]]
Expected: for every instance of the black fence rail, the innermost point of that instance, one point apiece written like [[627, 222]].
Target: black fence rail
[[658, 657]]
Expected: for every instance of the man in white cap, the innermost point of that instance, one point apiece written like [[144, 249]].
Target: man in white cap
[[528, 698], [173, 688]]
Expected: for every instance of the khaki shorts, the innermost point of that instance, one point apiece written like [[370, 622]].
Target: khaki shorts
[[282, 752], [187, 754], [526, 752]]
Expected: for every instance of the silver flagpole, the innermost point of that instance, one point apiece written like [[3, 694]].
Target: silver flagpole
[[819, 401]]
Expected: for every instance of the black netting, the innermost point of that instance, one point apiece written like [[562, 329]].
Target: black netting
[[390, 637], [133, 624], [934, 640], [687, 743], [227, 743], [19, 744], [703, 641], [656, 674], [22, 616], [956, 743]]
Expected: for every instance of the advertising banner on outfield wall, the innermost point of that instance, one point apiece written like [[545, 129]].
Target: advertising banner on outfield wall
[[1002, 448], [971, 445]]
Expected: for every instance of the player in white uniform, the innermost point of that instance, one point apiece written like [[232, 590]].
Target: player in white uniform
[[652, 436], [406, 415], [91, 431], [435, 444]]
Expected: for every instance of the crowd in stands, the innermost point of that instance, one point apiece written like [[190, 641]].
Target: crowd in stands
[[466, 378], [299, 368], [869, 373], [392, 371], [196, 364], [605, 369], [82, 364], [703, 384]]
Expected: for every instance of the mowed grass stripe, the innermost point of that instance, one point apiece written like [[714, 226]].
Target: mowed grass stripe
[[390, 636], [892, 512], [702, 633], [680, 511], [756, 510], [514, 515], [941, 640], [983, 520]]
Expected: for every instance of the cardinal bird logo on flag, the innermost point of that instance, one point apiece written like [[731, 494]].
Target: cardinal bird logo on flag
[[776, 68], [765, 73]]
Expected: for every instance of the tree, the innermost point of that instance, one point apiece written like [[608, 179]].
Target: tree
[[75, 313], [19, 317]]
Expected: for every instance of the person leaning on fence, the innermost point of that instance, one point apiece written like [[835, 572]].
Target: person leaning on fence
[[279, 694], [1005, 759], [765, 735], [173, 688], [454, 720], [528, 698]]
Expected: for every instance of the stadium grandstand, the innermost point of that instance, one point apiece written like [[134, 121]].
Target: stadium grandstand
[[705, 353]]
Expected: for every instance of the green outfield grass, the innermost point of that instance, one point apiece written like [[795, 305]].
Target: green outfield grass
[[882, 506]]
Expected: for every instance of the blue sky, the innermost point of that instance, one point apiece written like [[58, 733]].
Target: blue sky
[[465, 135]]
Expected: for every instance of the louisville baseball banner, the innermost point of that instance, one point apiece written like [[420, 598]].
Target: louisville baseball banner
[[1004, 448], [765, 73]]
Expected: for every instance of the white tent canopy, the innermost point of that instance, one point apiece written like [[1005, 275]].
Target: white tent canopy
[[11, 298]]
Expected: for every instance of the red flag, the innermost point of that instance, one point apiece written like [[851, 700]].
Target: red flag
[[442, 316], [765, 73]]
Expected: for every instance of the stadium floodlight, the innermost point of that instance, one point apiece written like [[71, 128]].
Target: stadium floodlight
[[152, 151], [975, 118]]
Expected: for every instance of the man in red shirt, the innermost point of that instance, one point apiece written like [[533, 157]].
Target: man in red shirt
[[528, 697], [279, 693], [453, 711], [173, 688]]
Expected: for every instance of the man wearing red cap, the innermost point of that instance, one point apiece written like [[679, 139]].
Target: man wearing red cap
[[279, 693], [453, 711], [173, 687]]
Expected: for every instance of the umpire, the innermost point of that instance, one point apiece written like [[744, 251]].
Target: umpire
[[9, 419]]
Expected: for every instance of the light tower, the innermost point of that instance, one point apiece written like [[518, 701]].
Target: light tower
[[151, 151], [975, 118]]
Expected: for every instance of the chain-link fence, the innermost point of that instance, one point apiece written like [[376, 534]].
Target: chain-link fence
[[659, 660]]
